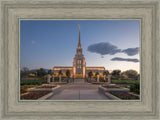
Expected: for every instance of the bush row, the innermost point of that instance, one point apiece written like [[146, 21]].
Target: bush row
[[33, 82], [135, 88]]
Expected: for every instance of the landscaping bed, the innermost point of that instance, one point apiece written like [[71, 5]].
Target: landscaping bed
[[46, 86], [125, 81], [25, 87], [124, 95], [33, 82], [34, 95], [40, 92], [111, 86], [101, 83]]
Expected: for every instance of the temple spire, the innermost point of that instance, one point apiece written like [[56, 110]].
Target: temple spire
[[79, 43]]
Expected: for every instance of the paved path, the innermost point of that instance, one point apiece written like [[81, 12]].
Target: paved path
[[79, 91]]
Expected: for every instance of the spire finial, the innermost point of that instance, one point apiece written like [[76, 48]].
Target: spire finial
[[79, 43], [79, 27]]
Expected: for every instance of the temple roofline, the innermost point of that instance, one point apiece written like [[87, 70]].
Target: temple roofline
[[62, 67], [94, 67]]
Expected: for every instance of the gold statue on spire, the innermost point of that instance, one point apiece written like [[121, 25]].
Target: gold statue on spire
[[79, 27]]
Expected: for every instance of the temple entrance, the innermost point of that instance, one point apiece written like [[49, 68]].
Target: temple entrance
[[79, 75]]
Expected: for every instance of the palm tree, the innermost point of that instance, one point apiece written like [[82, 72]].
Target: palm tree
[[60, 73], [105, 73], [90, 74], [97, 73], [50, 72], [68, 73]]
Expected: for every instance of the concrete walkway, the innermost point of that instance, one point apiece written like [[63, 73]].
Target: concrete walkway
[[79, 91]]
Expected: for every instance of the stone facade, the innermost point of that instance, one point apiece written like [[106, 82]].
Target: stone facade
[[79, 69]]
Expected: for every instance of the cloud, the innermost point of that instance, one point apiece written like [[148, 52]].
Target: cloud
[[102, 56], [124, 59], [32, 42], [103, 48], [131, 51]]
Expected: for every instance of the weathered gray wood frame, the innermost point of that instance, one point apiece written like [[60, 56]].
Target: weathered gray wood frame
[[144, 10]]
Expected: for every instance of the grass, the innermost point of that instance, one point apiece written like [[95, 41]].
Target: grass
[[25, 87], [125, 81], [109, 86], [33, 82]]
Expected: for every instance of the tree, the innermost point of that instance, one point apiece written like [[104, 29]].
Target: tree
[[41, 72], [50, 72], [97, 73], [68, 73], [24, 72], [131, 73], [123, 75], [25, 69], [60, 72], [106, 72], [90, 74], [116, 73]]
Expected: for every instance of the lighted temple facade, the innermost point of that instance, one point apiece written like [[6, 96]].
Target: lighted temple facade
[[79, 69]]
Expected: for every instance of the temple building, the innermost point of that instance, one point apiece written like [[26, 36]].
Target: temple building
[[79, 68]]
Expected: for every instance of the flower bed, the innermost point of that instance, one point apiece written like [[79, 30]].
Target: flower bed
[[111, 86], [25, 87], [124, 95], [33, 82], [125, 81], [46, 86], [33, 95]]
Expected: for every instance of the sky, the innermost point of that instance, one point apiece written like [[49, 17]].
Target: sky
[[113, 44]]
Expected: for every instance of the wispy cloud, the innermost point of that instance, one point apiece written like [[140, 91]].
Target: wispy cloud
[[124, 59], [105, 48], [131, 51]]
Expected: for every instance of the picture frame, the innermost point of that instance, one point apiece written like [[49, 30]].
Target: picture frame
[[145, 11]]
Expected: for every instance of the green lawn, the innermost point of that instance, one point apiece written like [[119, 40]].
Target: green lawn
[[125, 81], [33, 82], [25, 87]]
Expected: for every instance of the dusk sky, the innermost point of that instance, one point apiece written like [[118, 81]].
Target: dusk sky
[[113, 44]]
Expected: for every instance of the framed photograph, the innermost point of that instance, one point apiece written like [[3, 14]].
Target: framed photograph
[[80, 59], [42, 79]]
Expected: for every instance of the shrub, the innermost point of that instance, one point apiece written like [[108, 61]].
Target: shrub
[[135, 88], [124, 95], [33, 82], [25, 87], [101, 79]]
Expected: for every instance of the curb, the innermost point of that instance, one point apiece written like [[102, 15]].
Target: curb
[[112, 97], [54, 91]]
